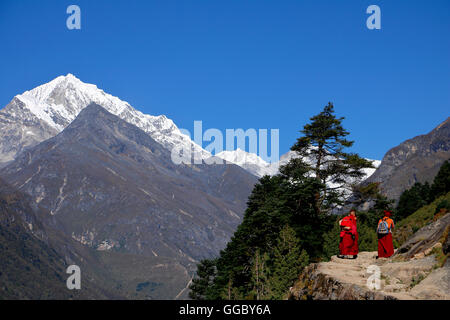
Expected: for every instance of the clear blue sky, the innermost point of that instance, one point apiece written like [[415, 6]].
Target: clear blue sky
[[245, 64]]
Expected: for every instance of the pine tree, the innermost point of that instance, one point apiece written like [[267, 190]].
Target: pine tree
[[288, 262], [331, 242], [323, 143], [413, 199], [441, 183], [368, 240], [206, 271], [230, 292], [259, 276]]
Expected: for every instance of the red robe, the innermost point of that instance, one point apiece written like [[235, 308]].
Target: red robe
[[349, 238], [385, 246]]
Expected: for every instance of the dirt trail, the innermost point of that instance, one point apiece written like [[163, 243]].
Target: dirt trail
[[412, 279]]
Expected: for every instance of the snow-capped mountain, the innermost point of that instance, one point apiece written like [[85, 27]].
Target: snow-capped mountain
[[248, 161], [44, 111], [258, 167]]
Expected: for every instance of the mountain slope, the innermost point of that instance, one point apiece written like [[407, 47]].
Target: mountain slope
[[41, 113], [248, 161], [111, 187], [34, 258], [415, 160]]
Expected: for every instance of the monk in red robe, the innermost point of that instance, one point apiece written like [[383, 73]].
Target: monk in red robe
[[348, 246], [384, 232]]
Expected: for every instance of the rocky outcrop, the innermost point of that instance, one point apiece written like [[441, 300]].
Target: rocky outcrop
[[343, 279], [315, 283], [19, 129], [415, 160], [427, 238], [446, 246]]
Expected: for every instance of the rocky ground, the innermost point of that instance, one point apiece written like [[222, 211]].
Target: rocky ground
[[348, 279], [416, 271]]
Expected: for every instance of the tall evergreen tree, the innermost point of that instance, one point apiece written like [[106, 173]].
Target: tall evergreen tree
[[413, 199], [288, 261], [323, 143], [203, 281], [441, 183], [230, 292], [259, 277], [331, 241]]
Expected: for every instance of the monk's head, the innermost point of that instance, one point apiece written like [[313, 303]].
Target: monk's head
[[352, 212]]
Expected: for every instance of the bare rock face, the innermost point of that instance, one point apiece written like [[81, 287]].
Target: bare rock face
[[425, 238], [415, 160], [19, 129], [434, 285]]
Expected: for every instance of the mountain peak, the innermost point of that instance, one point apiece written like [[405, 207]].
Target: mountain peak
[[415, 160], [51, 107], [92, 108], [443, 124]]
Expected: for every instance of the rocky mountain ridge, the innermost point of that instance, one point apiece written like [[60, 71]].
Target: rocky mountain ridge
[[43, 112], [108, 185], [415, 160]]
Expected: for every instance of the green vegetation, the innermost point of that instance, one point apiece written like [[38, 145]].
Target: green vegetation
[[441, 258], [413, 199], [420, 194], [205, 275], [416, 280], [287, 222], [28, 267], [288, 261], [441, 183], [422, 204], [425, 215], [438, 251], [367, 234]]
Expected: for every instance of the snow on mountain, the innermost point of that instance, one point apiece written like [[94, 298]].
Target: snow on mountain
[[57, 103], [370, 171], [43, 112], [257, 166], [248, 161]]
